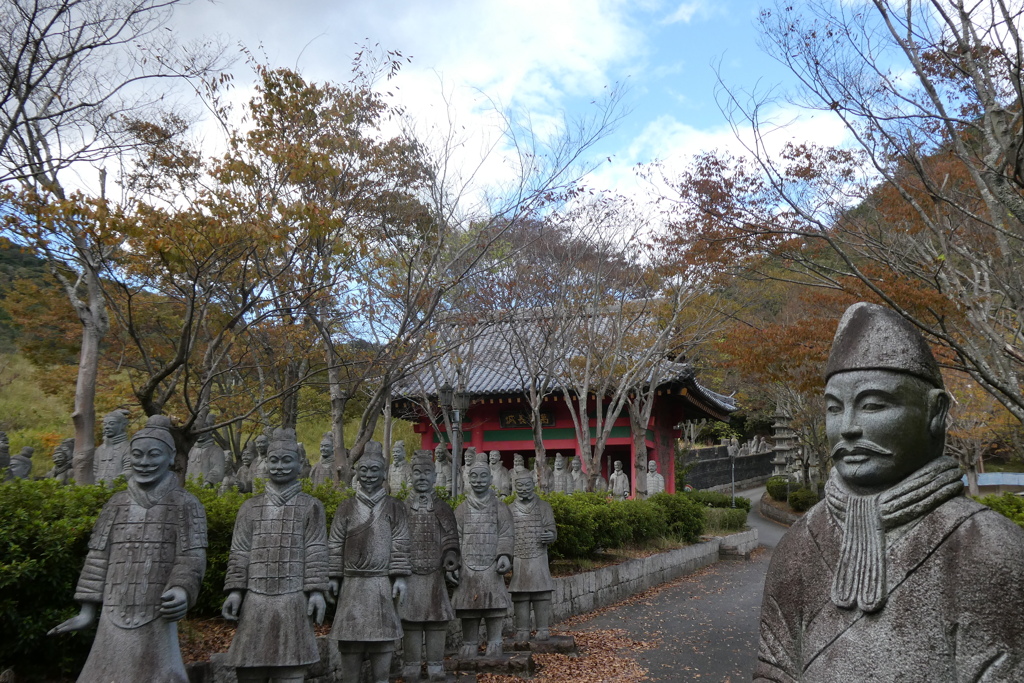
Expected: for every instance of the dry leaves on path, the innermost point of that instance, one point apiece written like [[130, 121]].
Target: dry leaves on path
[[603, 658]]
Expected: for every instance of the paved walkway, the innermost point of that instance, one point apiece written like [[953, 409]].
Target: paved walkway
[[703, 627]]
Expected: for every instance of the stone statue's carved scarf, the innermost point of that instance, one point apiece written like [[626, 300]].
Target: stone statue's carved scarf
[[860, 578], [148, 496], [422, 501], [279, 495]]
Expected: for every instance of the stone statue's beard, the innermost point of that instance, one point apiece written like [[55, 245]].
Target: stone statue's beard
[[861, 447]]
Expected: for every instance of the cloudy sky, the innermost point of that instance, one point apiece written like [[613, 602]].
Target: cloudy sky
[[545, 57]]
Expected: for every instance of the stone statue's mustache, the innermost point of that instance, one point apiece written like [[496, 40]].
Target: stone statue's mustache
[[861, 447]]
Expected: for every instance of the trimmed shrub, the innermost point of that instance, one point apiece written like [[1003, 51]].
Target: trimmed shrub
[[714, 499], [576, 525], [779, 489], [645, 520], [686, 517], [1008, 505], [802, 500]]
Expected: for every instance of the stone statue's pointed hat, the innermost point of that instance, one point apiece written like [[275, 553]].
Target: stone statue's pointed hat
[[373, 450], [283, 439], [422, 457], [872, 337], [157, 427], [480, 460]]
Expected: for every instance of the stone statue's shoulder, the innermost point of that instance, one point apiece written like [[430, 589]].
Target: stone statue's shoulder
[[118, 499], [307, 500], [992, 534]]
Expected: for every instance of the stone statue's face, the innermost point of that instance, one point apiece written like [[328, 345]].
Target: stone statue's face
[[261, 446], [326, 449], [652, 467], [576, 466], [618, 465], [397, 453], [371, 474], [525, 488], [151, 460], [423, 477], [559, 462], [283, 466], [494, 457], [882, 426], [517, 460], [61, 456], [247, 456], [112, 426], [440, 454], [479, 480]]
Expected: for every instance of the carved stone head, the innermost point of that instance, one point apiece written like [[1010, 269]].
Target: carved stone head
[[885, 403], [423, 475], [63, 453], [262, 443], [327, 446], [440, 453], [152, 451], [398, 453], [559, 461], [248, 453], [115, 423], [284, 461], [652, 467], [517, 460], [618, 465], [525, 488], [480, 476], [371, 466], [495, 458], [575, 465]]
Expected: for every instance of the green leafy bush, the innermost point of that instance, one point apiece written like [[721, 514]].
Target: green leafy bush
[[726, 519], [779, 489], [1008, 505], [576, 524], [646, 520], [714, 499], [686, 517], [802, 500]]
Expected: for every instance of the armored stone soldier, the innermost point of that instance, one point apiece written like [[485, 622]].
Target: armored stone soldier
[[895, 576], [426, 610], [244, 475], [519, 467], [277, 573], [560, 476], [206, 460], [323, 471], [62, 457], [146, 560], [21, 464], [442, 468], [398, 473], [369, 562], [655, 480], [259, 468], [112, 459], [619, 482], [577, 479], [500, 479], [545, 482], [487, 538], [469, 457], [531, 579]]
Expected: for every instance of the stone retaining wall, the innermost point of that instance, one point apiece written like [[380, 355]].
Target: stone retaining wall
[[711, 468], [769, 511]]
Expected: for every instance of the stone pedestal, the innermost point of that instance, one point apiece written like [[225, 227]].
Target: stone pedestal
[[561, 645], [510, 663]]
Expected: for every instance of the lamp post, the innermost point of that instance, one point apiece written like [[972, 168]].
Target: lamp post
[[733, 459], [455, 403]]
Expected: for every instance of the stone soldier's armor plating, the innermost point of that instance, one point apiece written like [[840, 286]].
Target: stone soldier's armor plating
[[531, 579]]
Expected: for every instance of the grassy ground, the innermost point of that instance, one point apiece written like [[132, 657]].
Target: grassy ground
[[1004, 465]]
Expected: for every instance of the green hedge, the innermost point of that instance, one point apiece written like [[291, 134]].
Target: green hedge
[[726, 519], [1007, 505], [779, 488], [714, 499], [803, 500]]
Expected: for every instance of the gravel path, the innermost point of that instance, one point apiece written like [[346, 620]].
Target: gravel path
[[703, 627]]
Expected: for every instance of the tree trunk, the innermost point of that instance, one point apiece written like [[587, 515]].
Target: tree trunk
[[84, 416], [638, 419], [342, 473]]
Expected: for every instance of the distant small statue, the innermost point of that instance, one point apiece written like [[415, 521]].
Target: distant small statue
[[206, 459], [442, 468], [398, 474], [305, 469], [276, 576], [323, 471], [111, 459], [619, 482], [560, 476], [500, 479], [426, 610], [147, 557], [21, 464], [245, 474], [519, 467], [62, 461], [369, 547], [655, 480], [487, 535], [468, 458], [544, 482], [260, 467], [531, 584], [577, 479], [600, 483]]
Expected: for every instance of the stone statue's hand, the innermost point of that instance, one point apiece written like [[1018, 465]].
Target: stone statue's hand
[[451, 561], [333, 586], [233, 603], [547, 536], [504, 564], [316, 606], [78, 622], [398, 589], [173, 603]]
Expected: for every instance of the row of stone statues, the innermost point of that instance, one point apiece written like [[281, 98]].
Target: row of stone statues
[[384, 561]]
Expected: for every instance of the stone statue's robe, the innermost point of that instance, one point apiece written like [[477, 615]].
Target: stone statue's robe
[[953, 576]]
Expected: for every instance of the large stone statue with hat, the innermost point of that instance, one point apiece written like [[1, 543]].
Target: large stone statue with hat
[[531, 584], [277, 573], [895, 576], [487, 537], [369, 561], [111, 459], [426, 610], [146, 560]]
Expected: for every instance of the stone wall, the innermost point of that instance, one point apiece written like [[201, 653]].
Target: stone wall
[[711, 468], [769, 511]]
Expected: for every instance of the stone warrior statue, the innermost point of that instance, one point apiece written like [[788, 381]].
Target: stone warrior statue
[[146, 560], [398, 473], [245, 474], [323, 471], [531, 579], [21, 464], [277, 573], [111, 459], [259, 468], [486, 535], [501, 481], [560, 476], [519, 467], [206, 460], [426, 610], [619, 482], [369, 560], [469, 458], [895, 576], [62, 457], [655, 480], [577, 479], [442, 468]]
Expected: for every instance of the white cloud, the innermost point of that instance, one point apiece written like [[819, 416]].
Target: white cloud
[[686, 12]]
